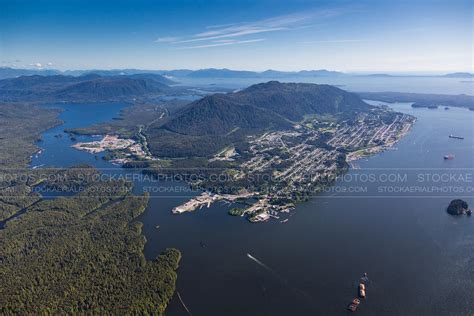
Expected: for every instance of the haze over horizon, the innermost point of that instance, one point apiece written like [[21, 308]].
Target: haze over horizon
[[370, 36]]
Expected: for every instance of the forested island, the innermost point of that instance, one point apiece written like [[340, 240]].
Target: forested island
[[458, 207], [422, 99]]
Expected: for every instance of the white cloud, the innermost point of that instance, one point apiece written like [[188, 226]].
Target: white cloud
[[250, 30], [242, 29], [218, 26], [37, 65], [223, 43], [279, 23], [166, 39], [336, 41]]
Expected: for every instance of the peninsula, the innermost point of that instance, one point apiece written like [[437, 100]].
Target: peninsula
[[270, 146]]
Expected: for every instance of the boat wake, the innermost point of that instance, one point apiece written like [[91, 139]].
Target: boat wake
[[282, 280], [182, 303], [260, 263]]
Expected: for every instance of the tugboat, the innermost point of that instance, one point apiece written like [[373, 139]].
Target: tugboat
[[449, 157], [365, 278], [353, 305]]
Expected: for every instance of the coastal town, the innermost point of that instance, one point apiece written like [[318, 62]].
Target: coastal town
[[303, 160], [293, 163]]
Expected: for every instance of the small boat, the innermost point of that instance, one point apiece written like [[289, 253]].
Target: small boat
[[365, 278], [352, 307], [456, 137], [203, 245], [355, 301], [449, 157]]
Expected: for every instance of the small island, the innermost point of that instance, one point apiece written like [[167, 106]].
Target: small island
[[458, 207], [423, 105]]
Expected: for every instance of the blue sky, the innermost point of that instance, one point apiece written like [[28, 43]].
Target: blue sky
[[367, 35]]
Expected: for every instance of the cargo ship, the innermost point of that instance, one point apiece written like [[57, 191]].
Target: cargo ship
[[449, 157], [456, 137], [362, 290]]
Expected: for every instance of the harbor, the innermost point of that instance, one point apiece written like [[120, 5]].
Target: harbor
[[206, 199]]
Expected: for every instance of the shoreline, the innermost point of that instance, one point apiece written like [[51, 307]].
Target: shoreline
[[264, 209], [369, 152]]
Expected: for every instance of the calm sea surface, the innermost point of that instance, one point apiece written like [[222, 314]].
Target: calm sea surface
[[386, 217], [436, 85]]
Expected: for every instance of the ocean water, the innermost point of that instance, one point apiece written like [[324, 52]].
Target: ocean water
[[436, 85], [418, 258]]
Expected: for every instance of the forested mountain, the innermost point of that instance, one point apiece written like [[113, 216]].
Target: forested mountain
[[220, 114], [213, 122], [294, 100], [109, 87], [262, 106], [90, 87]]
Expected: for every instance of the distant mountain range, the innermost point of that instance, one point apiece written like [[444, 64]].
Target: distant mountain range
[[460, 75], [227, 73], [90, 87], [6, 72], [179, 73]]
